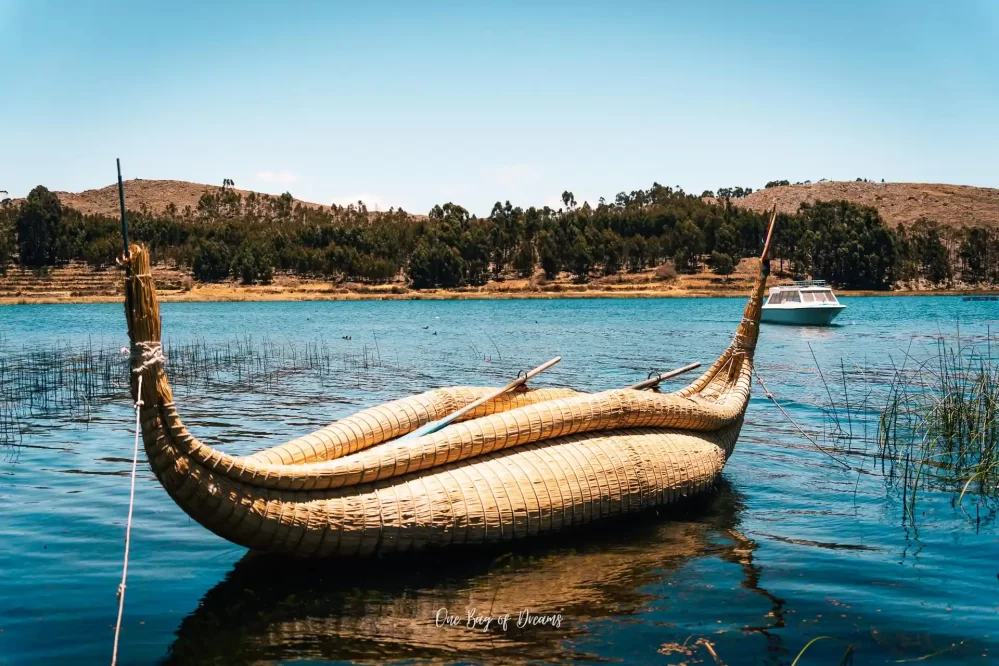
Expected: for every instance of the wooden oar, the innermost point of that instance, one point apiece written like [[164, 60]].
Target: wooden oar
[[654, 381], [434, 426]]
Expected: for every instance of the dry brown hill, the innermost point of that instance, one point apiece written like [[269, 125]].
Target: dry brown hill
[[154, 194], [950, 205]]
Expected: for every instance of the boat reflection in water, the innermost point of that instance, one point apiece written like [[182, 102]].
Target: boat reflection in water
[[271, 609]]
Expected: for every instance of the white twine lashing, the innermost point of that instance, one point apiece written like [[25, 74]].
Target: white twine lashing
[[128, 524], [147, 355]]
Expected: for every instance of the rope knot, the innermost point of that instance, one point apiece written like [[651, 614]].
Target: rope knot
[[744, 342], [146, 355]]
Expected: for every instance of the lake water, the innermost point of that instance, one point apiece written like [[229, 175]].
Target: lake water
[[790, 547]]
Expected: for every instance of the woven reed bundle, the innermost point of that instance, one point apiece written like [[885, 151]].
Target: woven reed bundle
[[375, 425], [530, 462], [544, 417]]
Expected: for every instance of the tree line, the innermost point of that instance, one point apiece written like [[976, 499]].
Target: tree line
[[229, 236]]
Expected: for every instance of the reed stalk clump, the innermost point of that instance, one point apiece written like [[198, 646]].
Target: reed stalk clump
[[938, 427], [66, 381]]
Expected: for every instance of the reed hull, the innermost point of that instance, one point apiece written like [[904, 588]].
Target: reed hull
[[512, 494]]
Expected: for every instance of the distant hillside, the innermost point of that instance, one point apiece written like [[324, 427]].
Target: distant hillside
[[154, 194], [661, 231], [950, 205]]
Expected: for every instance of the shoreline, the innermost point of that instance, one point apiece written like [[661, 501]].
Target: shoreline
[[258, 294], [76, 283]]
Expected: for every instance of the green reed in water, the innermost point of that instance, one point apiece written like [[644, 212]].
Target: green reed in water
[[938, 426], [67, 382]]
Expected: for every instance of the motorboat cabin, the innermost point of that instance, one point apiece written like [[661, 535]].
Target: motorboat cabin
[[802, 303]]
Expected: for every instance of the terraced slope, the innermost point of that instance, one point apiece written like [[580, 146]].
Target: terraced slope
[[77, 280]]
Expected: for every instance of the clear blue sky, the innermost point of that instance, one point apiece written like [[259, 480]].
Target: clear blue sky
[[417, 103]]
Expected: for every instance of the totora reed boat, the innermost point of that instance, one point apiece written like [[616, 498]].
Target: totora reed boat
[[522, 464]]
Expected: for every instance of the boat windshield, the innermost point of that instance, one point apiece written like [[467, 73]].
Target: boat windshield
[[823, 296], [784, 296], [818, 296], [795, 296]]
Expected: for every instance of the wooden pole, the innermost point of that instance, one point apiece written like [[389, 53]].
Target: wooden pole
[[124, 238], [121, 204], [654, 381]]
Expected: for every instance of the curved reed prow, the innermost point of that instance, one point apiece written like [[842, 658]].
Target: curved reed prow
[[142, 312], [749, 330]]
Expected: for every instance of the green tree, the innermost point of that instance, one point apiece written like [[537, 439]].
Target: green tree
[[907, 264], [975, 250], [727, 240], [851, 246], [8, 216], [930, 252], [283, 206], [212, 260], [548, 255], [39, 226], [101, 252], [435, 265], [722, 264], [524, 260], [689, 244], [474, 250], [253, 263], [637, 250], [613, 252], [507, 228], [734, 192], [581, 258]]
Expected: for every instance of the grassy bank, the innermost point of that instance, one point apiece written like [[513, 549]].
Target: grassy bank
[[238, 293]]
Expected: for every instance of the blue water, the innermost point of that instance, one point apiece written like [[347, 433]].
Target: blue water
[[788, 548]]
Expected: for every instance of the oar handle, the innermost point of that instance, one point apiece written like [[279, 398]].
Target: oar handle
[[649, 383], [537, 371], [434, 426], [509, 387]]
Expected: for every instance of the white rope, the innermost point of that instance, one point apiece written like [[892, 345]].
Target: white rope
[[147, 354], [128, 524], [811, 439]]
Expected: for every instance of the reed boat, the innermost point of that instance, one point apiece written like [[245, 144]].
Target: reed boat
[[519, 465]]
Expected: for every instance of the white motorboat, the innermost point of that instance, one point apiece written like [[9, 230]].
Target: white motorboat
[[801, 303]]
